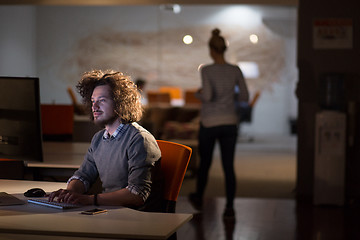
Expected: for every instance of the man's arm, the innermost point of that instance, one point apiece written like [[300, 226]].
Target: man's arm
[[76, 185], [122, 197]]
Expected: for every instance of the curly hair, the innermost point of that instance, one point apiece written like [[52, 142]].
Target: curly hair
[[126, 97]]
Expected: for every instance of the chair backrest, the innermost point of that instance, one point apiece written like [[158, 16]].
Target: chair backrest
[[190, 98], [57, 120], [12, 169], [175, 158], [78, 107], [72, 96], [158, 97], [175, 92], [254, 99]]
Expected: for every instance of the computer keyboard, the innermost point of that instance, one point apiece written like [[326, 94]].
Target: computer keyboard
[[45, 202]]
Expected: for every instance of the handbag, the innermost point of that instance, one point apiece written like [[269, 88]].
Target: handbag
[[243, 111]]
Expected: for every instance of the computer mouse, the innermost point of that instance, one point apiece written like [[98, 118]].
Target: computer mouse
[[35, 192]]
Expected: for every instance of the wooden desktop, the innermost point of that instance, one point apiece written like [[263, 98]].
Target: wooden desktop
[[31, 221]]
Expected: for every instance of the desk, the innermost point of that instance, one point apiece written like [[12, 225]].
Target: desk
[[20, 221], [84, 128], [61, 159], [62, 154]]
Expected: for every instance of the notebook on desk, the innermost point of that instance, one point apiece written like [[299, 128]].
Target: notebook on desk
[[8, 200]]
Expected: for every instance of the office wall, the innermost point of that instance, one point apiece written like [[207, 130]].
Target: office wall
[[145, 41], [18, 41], [313, 62]]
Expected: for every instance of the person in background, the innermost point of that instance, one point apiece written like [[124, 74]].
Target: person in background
[[219, 120], [140, 84], [123, 155]]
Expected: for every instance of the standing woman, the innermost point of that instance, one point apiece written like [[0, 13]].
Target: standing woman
[[219, 120]]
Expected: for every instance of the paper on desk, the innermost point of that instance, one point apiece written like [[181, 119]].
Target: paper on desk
[[7, 200]]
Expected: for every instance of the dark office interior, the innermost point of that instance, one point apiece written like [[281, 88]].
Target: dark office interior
[[325, 203]]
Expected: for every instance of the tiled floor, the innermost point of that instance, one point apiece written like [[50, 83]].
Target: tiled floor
[[265, 205], [270, 219], [265, 167], [256, 219]]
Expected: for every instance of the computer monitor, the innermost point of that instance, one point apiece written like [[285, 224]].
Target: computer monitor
[[20, 121]]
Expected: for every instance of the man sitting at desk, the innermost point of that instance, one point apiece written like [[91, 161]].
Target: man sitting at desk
[[123, 155]]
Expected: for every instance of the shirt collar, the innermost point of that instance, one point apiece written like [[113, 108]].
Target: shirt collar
[[117, 132]]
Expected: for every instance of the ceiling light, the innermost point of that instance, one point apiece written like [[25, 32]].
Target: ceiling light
[[187, 39], [254, 38]]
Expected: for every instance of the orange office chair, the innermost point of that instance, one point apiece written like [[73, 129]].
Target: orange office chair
[[78, 108], [175, 92], [12, 169], [175, 158], [190, 98], [254, 99], [158, 97]]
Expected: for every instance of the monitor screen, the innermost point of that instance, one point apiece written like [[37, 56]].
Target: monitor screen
[[20, 122]]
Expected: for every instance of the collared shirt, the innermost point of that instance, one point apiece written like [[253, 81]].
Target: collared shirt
[[120, 130]]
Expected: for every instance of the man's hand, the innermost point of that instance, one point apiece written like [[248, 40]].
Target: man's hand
[[67, 196]]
